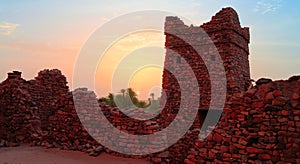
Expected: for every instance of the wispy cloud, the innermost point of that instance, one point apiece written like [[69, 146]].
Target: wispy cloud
[[265, 7], [138, 40], [7, 28], [38, 48]]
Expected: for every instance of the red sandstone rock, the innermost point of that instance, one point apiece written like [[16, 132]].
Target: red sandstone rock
[[269, 96], [286, 112], [296, 96], [279, 101], [217, 137], [227, 155], [277, 93], [257, 104], [264, 157], [263, 81], [254, 150]]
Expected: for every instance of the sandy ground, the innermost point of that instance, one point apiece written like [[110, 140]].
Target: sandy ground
[[40, 155]]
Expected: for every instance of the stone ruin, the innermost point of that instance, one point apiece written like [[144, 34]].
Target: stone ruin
[[222, 36], [259, 124], [27, 105]]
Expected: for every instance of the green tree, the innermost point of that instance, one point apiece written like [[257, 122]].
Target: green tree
[[142, 104], [128, 99]]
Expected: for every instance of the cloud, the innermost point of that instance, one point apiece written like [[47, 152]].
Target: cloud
[[264, 7], [138, 40], [38, 48], [7, 28]]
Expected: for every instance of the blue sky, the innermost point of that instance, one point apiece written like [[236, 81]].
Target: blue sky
[[48, 34]]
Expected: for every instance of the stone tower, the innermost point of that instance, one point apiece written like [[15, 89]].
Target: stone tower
[[228, 38]]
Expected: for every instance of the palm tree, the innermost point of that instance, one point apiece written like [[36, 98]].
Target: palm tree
[[131, 92], [152, 95], [132, 95], [111, 100], [123, 96], [123, 92]]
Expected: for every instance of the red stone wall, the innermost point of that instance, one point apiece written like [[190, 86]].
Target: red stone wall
[[261, 125], [17, 113], [225, 35], [222, 36], [25, 106], [46, 90]]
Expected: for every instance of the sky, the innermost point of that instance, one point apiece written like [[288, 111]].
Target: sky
[[35, 35]]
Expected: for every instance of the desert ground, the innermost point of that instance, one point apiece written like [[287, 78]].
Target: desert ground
[[40, 155]]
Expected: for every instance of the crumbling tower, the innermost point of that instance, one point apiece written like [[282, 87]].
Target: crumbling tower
[[231, 42]]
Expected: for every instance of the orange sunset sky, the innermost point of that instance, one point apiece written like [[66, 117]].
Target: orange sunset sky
[[37, 35]]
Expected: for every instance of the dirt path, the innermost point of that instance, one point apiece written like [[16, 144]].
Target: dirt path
[[40, 155]]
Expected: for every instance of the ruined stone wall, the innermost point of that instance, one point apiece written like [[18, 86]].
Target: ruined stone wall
[[261, 125], [46, 90], [67, 131], [194, 44], [25, 106], [232, 42], [187, 47], [17, 113]]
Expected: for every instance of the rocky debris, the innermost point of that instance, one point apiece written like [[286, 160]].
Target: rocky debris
[[97, 151]]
